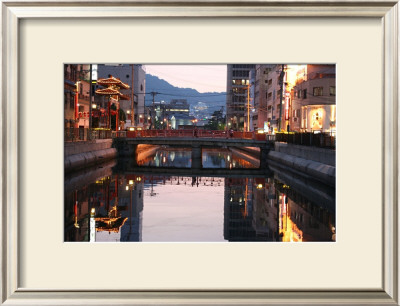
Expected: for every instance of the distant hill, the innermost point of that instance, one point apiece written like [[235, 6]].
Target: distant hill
[[167, 92]]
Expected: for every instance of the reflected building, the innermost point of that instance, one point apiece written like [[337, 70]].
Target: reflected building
[[265, 209], [76, 215], [238, 210], [118, 204], [302, 219], [132, 195], [278, 208]]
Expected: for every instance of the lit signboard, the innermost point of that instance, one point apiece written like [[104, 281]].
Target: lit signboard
[[287, 102]]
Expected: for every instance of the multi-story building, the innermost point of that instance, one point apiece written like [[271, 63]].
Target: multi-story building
[[140, 94], [314, 99], [172, 115], [238, 84], [76, 100], [272, 107], [135, 77], [70, 78], [178, 106], [83, 93], [262, 115], [253, 114]]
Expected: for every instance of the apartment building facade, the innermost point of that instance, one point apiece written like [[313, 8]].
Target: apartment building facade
[[314, 100], [238, 84]]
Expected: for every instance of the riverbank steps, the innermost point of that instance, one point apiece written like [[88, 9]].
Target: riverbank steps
[[317, 163], [82, 154]]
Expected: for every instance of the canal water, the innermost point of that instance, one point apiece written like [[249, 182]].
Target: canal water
[[112, 203]]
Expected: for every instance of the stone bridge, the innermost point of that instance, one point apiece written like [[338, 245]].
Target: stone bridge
[[127, 146]]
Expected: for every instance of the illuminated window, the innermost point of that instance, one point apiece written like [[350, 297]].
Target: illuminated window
[[318, 91], [332, 90], [316, 122]]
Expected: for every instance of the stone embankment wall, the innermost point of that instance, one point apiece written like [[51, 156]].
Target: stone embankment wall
[[79, 155], [316, 163]]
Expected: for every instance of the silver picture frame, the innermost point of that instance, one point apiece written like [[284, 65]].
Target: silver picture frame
[[15, 11]]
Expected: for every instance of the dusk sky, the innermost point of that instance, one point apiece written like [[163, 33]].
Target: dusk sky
[[203, 78]]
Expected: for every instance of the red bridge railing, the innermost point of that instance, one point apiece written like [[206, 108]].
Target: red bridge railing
[[190, 133], [193, 134]]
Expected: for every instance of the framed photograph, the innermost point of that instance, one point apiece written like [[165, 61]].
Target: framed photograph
[[44, 263]]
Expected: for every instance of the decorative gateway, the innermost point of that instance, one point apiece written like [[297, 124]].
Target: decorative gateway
[[112, 91]]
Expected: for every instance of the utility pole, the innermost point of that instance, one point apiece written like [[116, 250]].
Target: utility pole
[[281, 76], [133, 100], [90, 103], [248, 107], [153, 93]]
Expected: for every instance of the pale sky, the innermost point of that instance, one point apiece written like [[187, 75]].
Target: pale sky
[[203, 78]]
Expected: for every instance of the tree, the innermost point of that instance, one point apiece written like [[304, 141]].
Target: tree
[[217, 121]]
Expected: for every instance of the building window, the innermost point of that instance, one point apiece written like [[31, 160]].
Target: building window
[[318, 91], [269, 96], [270, 82], [316, 122], [305, 94], [332, 90]]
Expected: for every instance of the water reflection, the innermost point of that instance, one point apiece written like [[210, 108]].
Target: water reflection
[[182, 158], [146, 207]]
